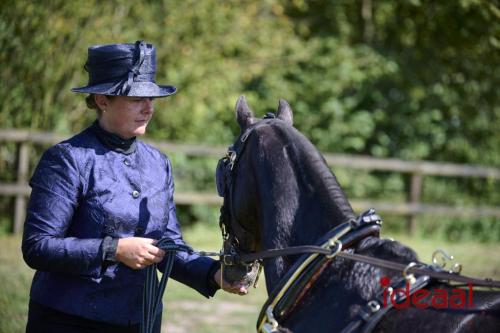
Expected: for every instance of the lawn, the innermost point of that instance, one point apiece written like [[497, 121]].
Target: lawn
[[187, 311]]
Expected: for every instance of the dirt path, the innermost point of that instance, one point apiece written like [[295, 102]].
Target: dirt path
[[221, 316]]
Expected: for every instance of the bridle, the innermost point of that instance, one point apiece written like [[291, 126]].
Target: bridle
[[233, 233], [315, 258]]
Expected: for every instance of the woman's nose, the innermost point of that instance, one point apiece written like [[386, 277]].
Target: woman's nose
[[148, 105]]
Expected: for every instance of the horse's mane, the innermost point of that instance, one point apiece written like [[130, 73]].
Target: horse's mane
[[361, 276], [308, 165]]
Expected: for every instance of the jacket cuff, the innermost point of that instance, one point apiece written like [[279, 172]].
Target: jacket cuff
[[213, 286], [109, 246], [193, 271]]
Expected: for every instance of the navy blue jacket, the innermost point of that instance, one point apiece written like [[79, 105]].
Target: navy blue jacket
[[83, 191]]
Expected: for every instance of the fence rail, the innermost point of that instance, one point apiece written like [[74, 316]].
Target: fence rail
[[415, 169]]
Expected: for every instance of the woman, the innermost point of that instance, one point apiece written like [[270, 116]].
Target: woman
[[99, 202]]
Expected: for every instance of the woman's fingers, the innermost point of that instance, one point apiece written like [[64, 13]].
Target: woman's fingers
[[137, 252], [156, 252], [234, 288], [154, 255], [239, 289]]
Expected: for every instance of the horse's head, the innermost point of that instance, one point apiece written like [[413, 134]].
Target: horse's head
[[273, 181]]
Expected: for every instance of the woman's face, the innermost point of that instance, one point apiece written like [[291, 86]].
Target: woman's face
[[125, 116]]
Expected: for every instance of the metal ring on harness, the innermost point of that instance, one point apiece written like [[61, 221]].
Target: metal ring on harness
[[445, 258], [338, 247], [410, 278]]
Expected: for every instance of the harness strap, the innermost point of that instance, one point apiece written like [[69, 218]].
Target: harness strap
[[371, 314], [154, 289], [425, 270], [293, 250], [332, 245]]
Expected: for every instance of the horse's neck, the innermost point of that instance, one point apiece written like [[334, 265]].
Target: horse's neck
[[300, 198], [300, 201]]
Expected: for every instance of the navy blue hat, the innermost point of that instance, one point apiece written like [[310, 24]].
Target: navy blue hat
[[123, 70]]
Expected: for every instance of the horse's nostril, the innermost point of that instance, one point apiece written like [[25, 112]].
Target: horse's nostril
[[241, 273]]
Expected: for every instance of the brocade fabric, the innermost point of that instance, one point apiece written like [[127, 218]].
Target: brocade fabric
[[83, 191]]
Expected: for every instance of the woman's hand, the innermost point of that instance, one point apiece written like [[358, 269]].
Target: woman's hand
[[233, 288], [137, 252]]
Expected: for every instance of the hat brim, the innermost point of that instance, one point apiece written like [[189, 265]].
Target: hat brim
[[137, 89]]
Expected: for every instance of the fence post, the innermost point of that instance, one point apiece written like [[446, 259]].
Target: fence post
[[22, 173], [414, 198]]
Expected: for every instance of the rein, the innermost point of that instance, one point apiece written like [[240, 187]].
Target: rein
[[154, 289], [407, 269]]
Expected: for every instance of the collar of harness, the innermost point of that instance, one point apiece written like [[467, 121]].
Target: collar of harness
[[302, 275]]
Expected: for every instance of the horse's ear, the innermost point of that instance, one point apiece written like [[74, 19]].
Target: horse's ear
[[285, 112], [244, 115]]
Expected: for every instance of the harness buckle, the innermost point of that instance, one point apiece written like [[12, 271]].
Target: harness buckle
[[374, 306], [230, 158], [367, 217], [271, 325], [229, 259]]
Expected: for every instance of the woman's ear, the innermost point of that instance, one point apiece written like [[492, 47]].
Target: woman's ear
[[101, 101]]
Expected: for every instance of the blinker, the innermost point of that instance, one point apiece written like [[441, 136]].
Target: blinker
[[223, 172], [220, 178]]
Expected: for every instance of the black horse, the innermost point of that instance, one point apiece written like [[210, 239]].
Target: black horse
[[281, 193]]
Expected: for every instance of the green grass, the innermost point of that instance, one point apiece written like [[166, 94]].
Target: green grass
[[15, 280], [187, 311]]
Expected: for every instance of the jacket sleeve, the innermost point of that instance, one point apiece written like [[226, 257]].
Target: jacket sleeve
[[190, 269], [46, 246]]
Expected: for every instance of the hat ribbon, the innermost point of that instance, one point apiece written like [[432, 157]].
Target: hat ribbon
[[123, 86]]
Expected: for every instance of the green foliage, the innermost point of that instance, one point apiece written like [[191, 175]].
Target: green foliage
[[406, 79], [459, 230]]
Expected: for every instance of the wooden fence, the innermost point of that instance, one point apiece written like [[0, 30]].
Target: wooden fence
[[415, 169]]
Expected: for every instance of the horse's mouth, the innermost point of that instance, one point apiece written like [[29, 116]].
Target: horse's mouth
[[244, 274]]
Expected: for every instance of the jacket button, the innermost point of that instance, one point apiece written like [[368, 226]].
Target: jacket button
[[135, 194], [126, 162]]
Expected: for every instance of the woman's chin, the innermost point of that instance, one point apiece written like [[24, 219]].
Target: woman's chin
[[139, 131]]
